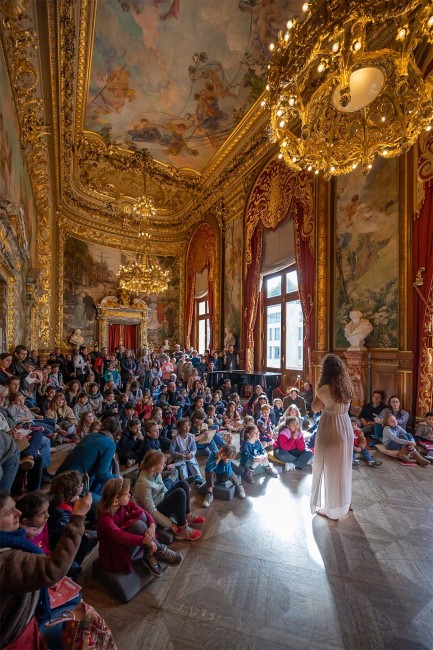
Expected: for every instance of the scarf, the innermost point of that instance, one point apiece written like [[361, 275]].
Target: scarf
[[17, 539]]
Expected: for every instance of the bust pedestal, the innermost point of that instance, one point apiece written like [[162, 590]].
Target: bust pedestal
[[356, 362]]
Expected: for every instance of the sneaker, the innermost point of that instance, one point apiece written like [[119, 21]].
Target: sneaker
[[289, 467], [195, 519], [189, 479], [373, 444], [187, 534], [168, 556], [355, 462], [198, 481], [311, 461], [26, 463], [377, 462], [248, 476], [130, 462], [429, 457], [208, 499], [150, 561], [271, 471], [240, 492]]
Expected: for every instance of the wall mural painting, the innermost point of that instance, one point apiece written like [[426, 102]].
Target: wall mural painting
[[366, 252], [90, 275], [161, 80], [14, 180], [233, 280]]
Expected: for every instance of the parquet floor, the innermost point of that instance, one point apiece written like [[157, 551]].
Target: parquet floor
[[268, 575]]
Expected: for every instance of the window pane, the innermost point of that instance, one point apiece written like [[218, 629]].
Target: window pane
[[291, 281], [207, 332], [294, 335], [201, 336], [202, 307], [273, 286], [273, 336]]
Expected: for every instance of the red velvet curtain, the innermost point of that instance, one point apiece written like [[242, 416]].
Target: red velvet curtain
[[113, 337], [423, 316], [305, 269], [189, 310], [210, 302], [130, 337], [251, 296]]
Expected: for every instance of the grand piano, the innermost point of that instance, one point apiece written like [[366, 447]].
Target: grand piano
[[239, 378]]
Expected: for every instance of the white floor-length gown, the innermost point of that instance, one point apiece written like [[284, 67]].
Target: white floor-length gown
[[331, 490]]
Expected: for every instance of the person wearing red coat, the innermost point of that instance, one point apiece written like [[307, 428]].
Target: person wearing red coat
[[126, 531], [289, 446]]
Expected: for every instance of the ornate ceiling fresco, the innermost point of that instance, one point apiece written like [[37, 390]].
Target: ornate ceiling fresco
[[176, 76]]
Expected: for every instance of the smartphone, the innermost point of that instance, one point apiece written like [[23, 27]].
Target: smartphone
[[85, 485]]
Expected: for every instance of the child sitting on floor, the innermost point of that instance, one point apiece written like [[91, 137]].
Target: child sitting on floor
[[183, 449], [65, 490], [264, 426], [425, 429], [397, 439], [34, 519], [219, 470], [276, 411], [129, 443], [360, 444], [289, 446], [125, 529], [253, 455], [200, 429]]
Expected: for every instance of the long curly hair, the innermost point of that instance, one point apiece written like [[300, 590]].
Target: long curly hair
[[335, 375]]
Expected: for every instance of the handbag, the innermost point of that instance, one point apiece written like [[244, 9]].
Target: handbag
[[87, 630]]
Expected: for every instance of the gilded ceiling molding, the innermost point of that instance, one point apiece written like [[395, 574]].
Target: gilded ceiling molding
[[274, 192], [20, 44]]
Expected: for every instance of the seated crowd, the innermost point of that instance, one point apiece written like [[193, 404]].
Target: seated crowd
[[145, 410]]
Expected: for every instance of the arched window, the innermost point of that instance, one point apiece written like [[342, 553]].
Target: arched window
[[283, 322], [202, 324]]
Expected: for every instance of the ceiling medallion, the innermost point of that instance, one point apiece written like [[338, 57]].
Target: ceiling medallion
[[354, 97]]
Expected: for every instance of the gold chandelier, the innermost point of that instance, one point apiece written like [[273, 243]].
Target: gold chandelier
[[143, 273], [349, 75]]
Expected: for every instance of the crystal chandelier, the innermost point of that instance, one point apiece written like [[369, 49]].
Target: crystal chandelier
[[143, 273], [348, 74]]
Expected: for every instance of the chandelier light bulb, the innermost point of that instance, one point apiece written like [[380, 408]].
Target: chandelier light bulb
[[291, 101], [268, 87], [357, 46], [305, 7], [355, 165], [369, 166], [289, 24], [309, 168], [401, 33], [294, 159], [383, 118], [332, 168], [282, 123], [271, 46], [284, 143], [280, 155], [385, 152], [430, 21], [316, 172], [335, 47], [263, 103], [429, 127], [286, 36], [320, 67], [279, 112]]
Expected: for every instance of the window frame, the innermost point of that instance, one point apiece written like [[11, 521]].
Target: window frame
[[202, 317], [283, 299]]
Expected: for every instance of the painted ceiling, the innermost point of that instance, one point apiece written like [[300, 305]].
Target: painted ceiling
[[176, 76]]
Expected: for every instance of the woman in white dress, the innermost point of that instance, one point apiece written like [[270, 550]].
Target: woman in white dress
[[331, 490]]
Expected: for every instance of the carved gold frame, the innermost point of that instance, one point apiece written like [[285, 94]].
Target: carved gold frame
[[110, 315], [11, 292]]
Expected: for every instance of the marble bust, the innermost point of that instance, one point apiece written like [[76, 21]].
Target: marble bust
[[356, 330], [76, 338]]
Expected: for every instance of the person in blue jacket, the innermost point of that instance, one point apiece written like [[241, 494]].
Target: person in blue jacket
[[94, 456]]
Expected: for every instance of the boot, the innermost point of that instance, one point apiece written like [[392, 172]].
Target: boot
[[168, 556], [248, 476]]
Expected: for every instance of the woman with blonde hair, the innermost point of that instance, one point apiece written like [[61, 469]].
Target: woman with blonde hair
[[331, 490]]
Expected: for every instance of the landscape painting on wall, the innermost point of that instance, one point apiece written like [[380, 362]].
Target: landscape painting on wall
[[90, 275], [367, 252], [233, 279]]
